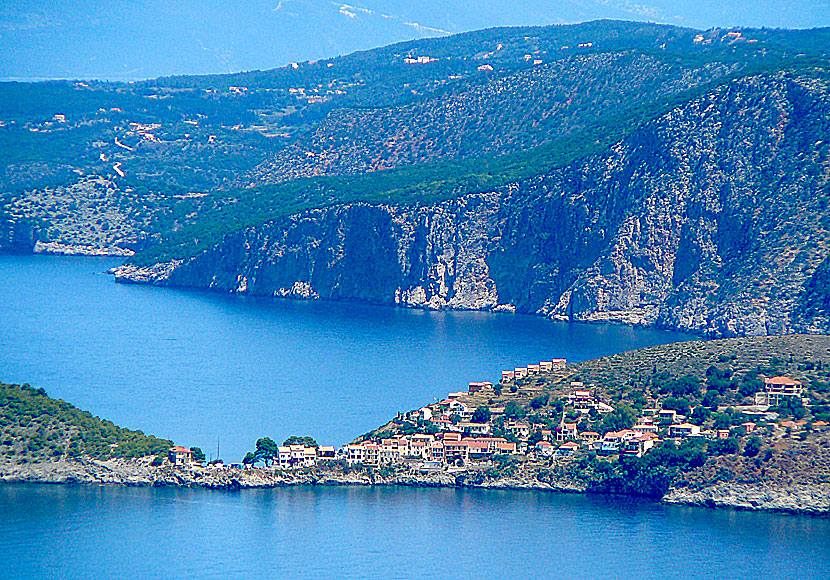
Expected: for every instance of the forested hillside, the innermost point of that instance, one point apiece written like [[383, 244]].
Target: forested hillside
[[604, 171]]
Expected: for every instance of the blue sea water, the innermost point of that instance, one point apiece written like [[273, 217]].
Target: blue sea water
[[63, 532], [196, 366], [199, 367]]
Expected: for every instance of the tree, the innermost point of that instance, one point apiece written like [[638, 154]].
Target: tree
[[539, 402], [481, 415], [752, 446], [723, 421], [728, 446], [295, 440], [622, 417], [680, 405], [198, 454], [513, 411], [700, 415], [266, 449], [249, 459]]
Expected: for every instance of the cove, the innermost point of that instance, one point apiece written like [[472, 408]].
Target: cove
[[198, 367]]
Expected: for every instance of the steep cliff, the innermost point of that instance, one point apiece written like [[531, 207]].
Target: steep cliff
[[712, 218]]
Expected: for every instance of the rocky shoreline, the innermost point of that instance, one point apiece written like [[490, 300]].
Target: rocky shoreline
[[812, 499]]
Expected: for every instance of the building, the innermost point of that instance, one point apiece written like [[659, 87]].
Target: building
[[567, 449], [179, 455], [669, 415], [645, 428], [567, 431], [475, 387], [776, 388], [640, 444], [475, 428], [326, 453], [507, 376], [684, 430], [544, 449], [518, 429], [520, 372], [355, 453], [589, 437], [614, 441]]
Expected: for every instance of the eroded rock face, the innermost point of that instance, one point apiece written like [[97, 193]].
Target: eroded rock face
[[711, 219]]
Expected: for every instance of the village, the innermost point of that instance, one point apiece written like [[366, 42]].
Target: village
[[455, 435]]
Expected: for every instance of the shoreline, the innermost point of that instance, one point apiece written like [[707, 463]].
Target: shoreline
[[794, 499]]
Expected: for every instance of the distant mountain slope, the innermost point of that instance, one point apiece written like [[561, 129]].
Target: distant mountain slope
[[605, 171], [145, 39], [712, 218]]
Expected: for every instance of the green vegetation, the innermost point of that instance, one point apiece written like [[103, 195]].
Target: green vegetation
[[208, 156], [305, 441], [35, 427]]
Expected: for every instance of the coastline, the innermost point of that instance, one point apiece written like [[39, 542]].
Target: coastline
[[803, 499]]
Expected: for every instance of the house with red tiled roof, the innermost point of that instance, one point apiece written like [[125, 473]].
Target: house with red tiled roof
[[777, 388], [566, 431], [179, 455], [544, 448]]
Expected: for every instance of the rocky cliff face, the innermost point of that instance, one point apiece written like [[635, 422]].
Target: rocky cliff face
[[712, 219]]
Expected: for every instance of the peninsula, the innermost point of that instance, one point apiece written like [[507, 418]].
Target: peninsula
[[739, 422]]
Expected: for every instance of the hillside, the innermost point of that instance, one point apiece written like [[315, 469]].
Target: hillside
[[36, 428], [616, 171], [695, 221], [678, 421]]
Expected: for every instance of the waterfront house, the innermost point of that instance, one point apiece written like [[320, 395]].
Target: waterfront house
[[179, 455], [371, 454], [326, 453], [355, 453], [558, 364], [520, 372], [507, 376], [546, 366], [283, 457], [436, 451], [640, 444], [455, 451], [613, 441], [533, 369]]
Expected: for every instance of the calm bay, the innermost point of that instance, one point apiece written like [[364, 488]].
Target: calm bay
[[199, 367]]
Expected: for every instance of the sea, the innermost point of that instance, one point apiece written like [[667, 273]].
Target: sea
[[219, 371]]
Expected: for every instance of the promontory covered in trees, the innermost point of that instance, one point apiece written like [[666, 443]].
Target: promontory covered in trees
[[739, 422], [616, 171]]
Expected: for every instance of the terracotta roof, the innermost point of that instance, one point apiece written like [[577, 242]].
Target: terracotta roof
[[179, 449], [781, 381]]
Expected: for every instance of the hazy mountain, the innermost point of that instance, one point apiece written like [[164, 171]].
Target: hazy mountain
[[143, 39]]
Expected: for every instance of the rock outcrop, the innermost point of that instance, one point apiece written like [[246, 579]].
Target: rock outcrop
[[711, 219]]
